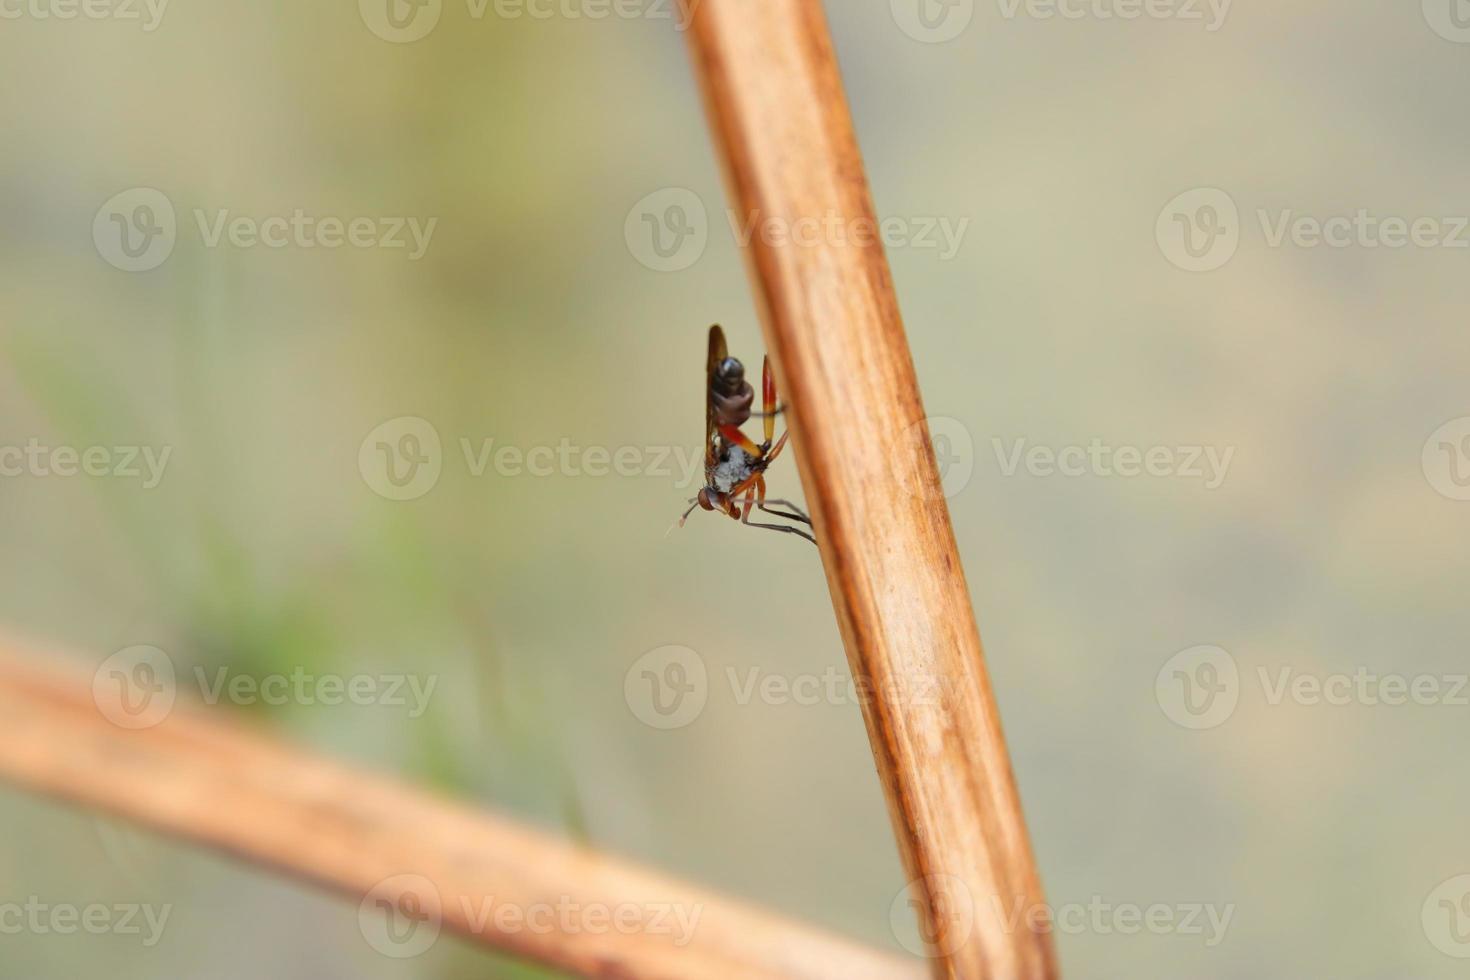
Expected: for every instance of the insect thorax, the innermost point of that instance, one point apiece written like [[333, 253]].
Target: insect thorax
[[734, 467]]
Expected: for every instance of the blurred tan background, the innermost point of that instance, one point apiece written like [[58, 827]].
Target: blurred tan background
[[1135, 268]]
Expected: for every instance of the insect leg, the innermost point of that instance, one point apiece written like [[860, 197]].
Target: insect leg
[[734, 436], [760, 484], [782, 527], [760, 489], [801, 515], [775, 450]]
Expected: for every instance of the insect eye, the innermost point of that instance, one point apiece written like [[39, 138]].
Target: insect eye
[[730, 369]]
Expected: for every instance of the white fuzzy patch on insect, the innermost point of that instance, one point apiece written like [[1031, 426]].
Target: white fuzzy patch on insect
[[734, 468]]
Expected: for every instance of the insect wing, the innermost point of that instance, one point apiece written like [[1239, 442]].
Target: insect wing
[[717, 353]]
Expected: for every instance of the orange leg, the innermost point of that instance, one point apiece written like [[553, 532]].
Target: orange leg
[[775, 450], [750, 500], [734, 436], [756, 496], [799, 515]]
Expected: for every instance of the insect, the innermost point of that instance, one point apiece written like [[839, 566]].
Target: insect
[[734, 466]]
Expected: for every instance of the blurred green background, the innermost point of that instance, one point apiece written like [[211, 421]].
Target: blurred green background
[[533, 317]]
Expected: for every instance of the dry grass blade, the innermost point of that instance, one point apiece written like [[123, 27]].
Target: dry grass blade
[[393, 848]]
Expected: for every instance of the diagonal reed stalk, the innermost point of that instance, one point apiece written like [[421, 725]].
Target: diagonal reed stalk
[[781, 122]]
